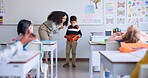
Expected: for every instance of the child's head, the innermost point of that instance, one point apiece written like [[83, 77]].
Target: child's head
[[23, 26], [132, 35], [73, 19]]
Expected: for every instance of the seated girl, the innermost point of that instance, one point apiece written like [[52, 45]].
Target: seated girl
[[133, 35]]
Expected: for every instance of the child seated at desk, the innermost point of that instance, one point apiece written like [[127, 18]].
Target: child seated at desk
[[133, 35], [9, 52], [22, 27]]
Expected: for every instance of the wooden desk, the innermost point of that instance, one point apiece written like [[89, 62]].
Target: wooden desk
[[117, 63], [51, 46], [94, 56], [21, 64]]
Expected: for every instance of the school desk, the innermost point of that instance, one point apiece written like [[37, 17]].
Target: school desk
[[51, 46], [21, 64], [117, 63], [94, 56]]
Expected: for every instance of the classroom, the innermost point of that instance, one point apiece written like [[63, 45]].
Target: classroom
[[97, 55]]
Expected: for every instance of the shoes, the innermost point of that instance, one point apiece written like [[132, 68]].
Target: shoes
[[73, 65], [66, 65]]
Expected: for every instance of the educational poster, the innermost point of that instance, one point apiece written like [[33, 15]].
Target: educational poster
[[120, 12], [93, 13], [109, 20], [137, 11], [109, 12], [2, 10], [1, 20], [2, 7]]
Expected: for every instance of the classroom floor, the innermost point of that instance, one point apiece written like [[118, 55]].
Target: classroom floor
[[81, 70]]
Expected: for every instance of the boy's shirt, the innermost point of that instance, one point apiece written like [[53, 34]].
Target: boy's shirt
[[72, 31]]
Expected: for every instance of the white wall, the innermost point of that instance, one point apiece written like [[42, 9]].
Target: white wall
[[9, 32]]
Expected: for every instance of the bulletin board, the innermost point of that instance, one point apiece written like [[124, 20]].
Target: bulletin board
[[122, 12], [89, 12]]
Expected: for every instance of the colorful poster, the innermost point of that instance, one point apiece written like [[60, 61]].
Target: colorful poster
[[109, 20], [1, 20], [109, 8], [120, 12], [2, 7], [137, 11], [93, 13], [109, 12]]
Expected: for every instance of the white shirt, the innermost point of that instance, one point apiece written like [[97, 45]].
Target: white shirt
[[9, 52]]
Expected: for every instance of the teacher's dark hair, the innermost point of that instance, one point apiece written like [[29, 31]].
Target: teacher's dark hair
[[56, 16]]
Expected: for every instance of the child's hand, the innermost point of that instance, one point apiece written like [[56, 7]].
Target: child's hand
[[65, 36], [27, 37], [78, 36]]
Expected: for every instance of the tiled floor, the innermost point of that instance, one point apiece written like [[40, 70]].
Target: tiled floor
[[81, 70]]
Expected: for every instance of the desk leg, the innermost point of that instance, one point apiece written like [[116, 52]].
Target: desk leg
[[90, 65], [56, 56], [38, 70], [102, 71], [51, 58], [23, 75], [114, 75]]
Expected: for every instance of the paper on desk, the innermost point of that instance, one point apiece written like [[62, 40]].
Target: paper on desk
[[139, 53]]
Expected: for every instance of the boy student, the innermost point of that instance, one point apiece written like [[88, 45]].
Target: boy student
[[73, 34]]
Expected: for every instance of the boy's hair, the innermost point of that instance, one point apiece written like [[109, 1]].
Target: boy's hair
[[73, 18]]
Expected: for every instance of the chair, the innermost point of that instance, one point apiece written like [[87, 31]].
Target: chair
[[3, 45], [143, 73], [112, 45], [37, 46]]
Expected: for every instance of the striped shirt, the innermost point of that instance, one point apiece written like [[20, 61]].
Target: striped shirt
[[73, 30]]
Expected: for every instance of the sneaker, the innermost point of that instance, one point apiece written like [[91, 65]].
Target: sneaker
[[66, 65], [73, 65]]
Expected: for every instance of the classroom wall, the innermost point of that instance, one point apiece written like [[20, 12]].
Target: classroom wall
[[83, 48], [13, 14]]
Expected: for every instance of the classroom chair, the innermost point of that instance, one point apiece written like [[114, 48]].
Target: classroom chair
[[143, 73], [37, 46], [112, 45], [3, 45]]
